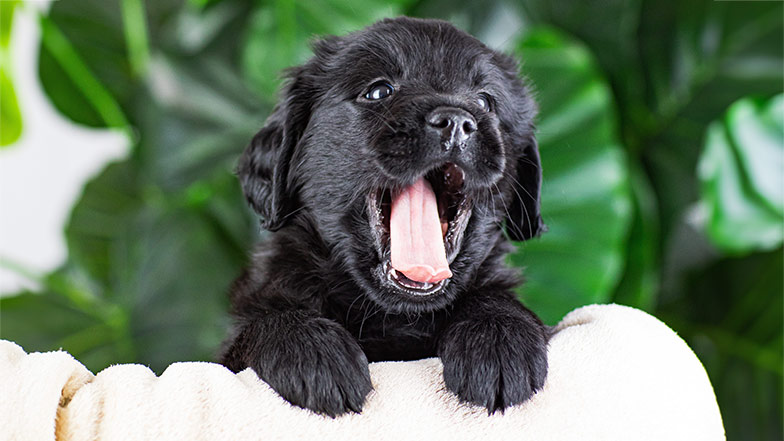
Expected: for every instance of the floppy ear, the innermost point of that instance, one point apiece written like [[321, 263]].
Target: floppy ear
[[263, 169], [524, 219], [264, 165]]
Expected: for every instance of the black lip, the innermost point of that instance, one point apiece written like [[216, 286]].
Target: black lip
[[402, 282], [447, 181]]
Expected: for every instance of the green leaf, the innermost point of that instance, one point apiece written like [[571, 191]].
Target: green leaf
[[155, 239], [50, 321], [280, 31], [615, 47], [164, 261], [20, 320], [160, 236], [639, 285], [203, 3], [673, 68], [732, 318], [6, 21], [197, 26], [741, 171], [757, 129], [585, 194], [94, 52], [135, 27], [492, 21], [705, 54], [100, 218], [716, 53], [173, 281], [10, 116], [71, 83], [164, 233]]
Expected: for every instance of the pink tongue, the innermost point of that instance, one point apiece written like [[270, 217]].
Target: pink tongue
[[416, 235]]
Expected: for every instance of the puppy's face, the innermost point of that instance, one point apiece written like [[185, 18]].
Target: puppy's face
[[407, 146]]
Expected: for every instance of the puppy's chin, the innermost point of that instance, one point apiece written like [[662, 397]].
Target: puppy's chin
[[397, 291]]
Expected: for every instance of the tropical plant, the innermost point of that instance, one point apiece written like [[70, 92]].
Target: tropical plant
[[660, 132]]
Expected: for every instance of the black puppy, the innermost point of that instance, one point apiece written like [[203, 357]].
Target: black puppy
[[386, 173]]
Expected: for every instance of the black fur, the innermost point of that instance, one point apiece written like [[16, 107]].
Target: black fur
[[315, 307]]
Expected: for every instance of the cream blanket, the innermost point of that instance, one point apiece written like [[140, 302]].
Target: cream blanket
[[616, 373]]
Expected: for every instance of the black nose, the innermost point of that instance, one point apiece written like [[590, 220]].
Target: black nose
[[455, 126]]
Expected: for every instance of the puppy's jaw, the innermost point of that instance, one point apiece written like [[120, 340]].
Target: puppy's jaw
[[454, 209]]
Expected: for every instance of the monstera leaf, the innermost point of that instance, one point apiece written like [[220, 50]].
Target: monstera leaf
[[585, 196], [741, 173], [279, 33], [10, 117], [155, 240]]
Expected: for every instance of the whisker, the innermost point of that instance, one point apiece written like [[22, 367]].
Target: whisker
[[513, 178], [348, 310], [382, 118], [525, 210], [509, 215]]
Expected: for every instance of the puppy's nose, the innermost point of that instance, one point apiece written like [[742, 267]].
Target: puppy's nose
[[455, 126]]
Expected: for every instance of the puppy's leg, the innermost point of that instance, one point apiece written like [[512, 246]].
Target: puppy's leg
[[309, 360], [494, 352]]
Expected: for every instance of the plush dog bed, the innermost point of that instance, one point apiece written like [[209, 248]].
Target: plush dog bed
[[616, 373]]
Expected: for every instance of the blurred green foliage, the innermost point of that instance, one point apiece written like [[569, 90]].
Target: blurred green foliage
[[740, 171], [587, 195], [636, 97], [10, 117]]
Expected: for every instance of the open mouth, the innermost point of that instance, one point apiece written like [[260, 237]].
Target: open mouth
[[438, 216]]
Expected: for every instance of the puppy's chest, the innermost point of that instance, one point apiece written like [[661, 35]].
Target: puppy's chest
[[390, 337], [396, 343]]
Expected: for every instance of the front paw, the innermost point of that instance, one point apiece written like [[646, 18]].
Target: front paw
[[495, 362], [314, 363]]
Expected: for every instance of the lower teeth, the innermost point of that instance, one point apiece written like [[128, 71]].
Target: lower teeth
[[405, 281]]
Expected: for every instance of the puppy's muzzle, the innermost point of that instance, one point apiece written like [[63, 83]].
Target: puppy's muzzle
[[454, 126]]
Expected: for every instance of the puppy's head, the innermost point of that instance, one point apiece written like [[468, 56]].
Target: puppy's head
[[406, 146]]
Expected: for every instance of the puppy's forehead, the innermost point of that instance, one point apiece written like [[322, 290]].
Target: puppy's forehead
[[423, 51]]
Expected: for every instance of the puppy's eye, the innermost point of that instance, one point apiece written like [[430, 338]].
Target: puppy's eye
[[379, 90], [484, 102]]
